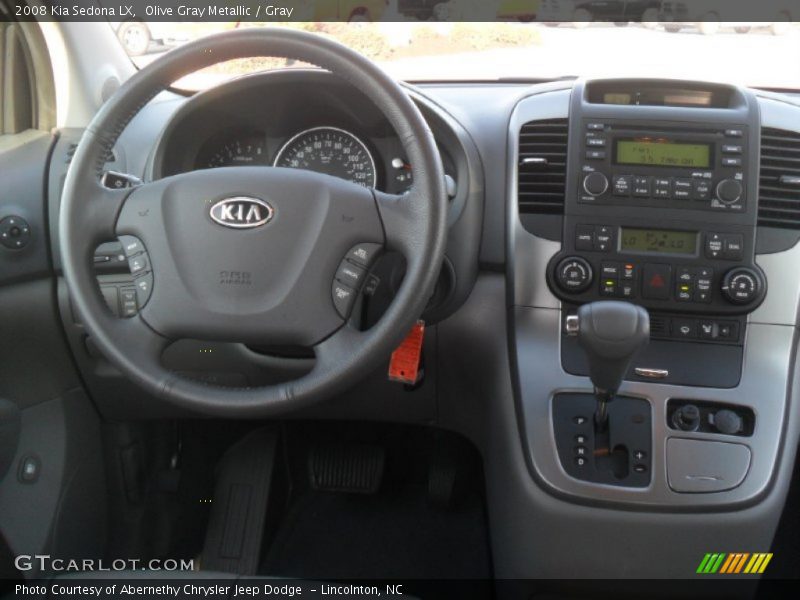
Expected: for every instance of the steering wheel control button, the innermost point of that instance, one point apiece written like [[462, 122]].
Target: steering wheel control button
[[138, 264], [363, 254], [343, 299], [144, 287], [128, 302], [15, 233], [574, 275], [350, 274], [131, 245]]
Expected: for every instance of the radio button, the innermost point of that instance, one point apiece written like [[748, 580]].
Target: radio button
[[584, 238], [731, 162], [662, 187], [657, 281], [595, 126], [595, 142], [595, 184], [731, 149], [729, 191], [596, 154], [641, 187], [734, 133], [622, 185], [701, 190]]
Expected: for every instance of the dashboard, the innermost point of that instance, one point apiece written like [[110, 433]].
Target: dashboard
[[301, 120], [598, 175]]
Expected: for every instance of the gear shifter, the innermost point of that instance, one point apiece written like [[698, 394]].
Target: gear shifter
[[611, 334]]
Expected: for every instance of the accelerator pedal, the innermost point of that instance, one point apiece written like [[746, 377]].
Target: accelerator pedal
[[238, 514], [348, 468]]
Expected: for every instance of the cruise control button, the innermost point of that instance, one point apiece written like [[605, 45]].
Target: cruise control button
[[363, 254], [343, 299], [350, 274]]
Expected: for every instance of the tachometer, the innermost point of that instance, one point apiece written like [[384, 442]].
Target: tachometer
[[331, 151], [238, 152]]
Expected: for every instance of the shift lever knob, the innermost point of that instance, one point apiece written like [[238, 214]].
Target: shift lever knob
[[611, 333]]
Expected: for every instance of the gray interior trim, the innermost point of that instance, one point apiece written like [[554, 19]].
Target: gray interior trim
[[536, 328]]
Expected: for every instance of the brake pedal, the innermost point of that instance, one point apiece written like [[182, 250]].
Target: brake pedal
[[348, 468]]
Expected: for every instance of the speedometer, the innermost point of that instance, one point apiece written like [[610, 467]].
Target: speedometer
[[331, 151]]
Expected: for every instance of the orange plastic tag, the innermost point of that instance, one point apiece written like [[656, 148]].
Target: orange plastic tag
[[404, 366]]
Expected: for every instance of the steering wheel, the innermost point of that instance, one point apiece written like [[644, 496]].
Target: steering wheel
[[258, 255]]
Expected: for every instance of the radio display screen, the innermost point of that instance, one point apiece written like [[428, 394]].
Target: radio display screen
[[662, 153], [662, 241]]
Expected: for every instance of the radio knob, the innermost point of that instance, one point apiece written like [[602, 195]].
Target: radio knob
[[742, 285], [729, 191], [595, 184], [574, 274]]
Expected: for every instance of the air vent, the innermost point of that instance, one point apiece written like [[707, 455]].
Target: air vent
[[542, 167], [779, 185]]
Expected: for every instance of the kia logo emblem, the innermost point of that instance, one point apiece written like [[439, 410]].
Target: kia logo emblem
[[241, 212]]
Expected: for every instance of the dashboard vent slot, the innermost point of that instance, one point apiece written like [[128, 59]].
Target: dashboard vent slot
[[779, 184], [542, 167]]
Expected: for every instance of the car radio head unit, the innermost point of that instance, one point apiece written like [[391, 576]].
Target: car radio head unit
[[699, 169]]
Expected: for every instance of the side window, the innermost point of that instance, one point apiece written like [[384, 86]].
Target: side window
[[26, 85]]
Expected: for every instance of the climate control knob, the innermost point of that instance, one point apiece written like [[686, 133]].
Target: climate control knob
[[595, 184], [574, 275], [742, 285], [729, 191]]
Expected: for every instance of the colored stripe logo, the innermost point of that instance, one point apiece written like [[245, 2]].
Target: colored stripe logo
[[734, 563]]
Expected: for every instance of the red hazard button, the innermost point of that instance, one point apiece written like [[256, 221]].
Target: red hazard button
[[657, 281]]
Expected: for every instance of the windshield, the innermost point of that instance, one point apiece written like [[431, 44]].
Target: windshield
[[754, 54]]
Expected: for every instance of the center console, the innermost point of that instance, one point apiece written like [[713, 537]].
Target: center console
[[660, 210]]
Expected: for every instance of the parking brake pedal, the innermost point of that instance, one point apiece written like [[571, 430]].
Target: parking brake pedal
[[238, 514], [349, 468]]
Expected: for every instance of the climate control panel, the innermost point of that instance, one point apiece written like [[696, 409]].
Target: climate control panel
[[665, 269]]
